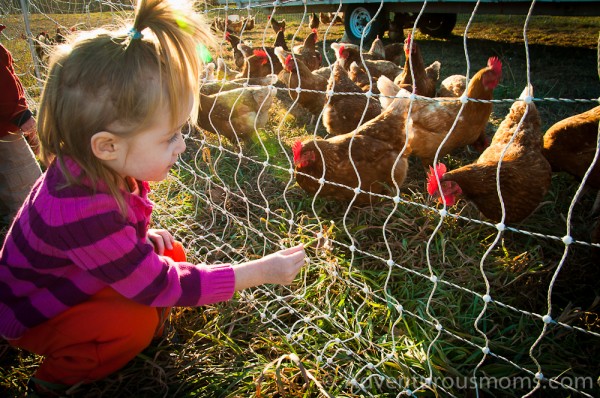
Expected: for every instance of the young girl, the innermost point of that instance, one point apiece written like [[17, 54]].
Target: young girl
[[83, 282]]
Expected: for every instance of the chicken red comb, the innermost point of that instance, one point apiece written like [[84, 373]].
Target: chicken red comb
[[341, 51], [316, 34], [432, 185], [297, 149], [407, 42], [227, 35], [268, 17], [289, 63], [261, 54], [495, 64]]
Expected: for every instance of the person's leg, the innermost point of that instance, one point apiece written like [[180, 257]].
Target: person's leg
[[95, 338], [18, 172], [91, 340]]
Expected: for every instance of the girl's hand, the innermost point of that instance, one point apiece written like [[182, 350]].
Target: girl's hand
[[283, 266], [161, 239], [280, 267]]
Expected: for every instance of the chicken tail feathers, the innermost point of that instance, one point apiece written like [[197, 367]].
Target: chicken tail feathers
[[433, 70], [388, 90], [527, 92]]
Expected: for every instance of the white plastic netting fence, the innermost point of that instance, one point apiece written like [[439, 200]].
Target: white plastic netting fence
[[404, 296]]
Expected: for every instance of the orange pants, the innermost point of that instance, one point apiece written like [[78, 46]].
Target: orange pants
[[93, 339]]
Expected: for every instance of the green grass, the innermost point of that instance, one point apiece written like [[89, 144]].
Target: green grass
[[343, 312]]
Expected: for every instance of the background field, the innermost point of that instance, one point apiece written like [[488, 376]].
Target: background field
[[350, 316]]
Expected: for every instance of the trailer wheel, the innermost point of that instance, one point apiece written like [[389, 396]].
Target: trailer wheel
[[356, 18], [437, 25]]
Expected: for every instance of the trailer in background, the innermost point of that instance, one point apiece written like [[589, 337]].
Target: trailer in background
[[370, 18]]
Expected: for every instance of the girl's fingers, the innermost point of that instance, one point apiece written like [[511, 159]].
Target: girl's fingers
[[292, 250], [166, 237], [168, 241], [160, 246]]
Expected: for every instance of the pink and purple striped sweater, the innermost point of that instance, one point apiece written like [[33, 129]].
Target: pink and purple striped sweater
[[67, 244]]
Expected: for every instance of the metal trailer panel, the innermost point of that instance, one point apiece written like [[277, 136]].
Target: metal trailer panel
[[542, 7]]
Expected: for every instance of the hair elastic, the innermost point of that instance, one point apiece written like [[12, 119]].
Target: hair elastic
[[135, 34]]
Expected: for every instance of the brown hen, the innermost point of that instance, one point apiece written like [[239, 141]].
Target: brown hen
[[571, 144], [324, 18], [452, 86], [296, 75], [343, 113], [525, 174], [234, 26], [214, 87], [280, 41], [238, 55], [425, 78], [377, 149], [431, 121], [362, 79], [313, 21], [276, 25], [376, 67], [259, 63], [248, 23], [310, 55], [236, 114], [351, 53]]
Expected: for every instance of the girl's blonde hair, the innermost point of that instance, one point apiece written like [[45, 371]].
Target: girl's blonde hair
[[115, 80]]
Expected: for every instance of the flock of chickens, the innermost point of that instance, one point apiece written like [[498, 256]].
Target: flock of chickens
[[370, 138], [377, 114], [44, 40], [247, 23]]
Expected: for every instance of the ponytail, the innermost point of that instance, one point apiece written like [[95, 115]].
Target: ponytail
[[115, 80]]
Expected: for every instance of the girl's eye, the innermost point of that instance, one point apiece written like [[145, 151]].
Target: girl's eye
[[174, 138]]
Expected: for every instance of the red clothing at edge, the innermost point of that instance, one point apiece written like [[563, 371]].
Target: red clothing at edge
[[12, 95]]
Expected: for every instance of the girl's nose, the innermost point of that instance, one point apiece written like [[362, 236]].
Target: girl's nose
[[181, 145]]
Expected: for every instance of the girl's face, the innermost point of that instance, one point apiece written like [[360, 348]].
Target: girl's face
[[151, 153]]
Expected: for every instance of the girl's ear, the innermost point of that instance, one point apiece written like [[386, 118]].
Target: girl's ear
[[105, 145]]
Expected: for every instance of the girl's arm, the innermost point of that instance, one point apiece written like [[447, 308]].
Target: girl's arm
[[278, 268]]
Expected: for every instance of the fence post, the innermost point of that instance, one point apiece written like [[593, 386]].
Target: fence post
[[30, 42]]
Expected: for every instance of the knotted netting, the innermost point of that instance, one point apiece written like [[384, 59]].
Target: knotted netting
[[403, 293]]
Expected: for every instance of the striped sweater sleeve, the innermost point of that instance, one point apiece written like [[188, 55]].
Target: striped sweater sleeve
[[116, 252]]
